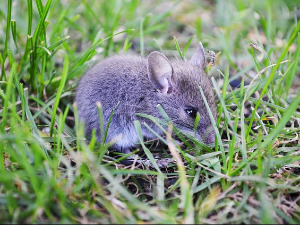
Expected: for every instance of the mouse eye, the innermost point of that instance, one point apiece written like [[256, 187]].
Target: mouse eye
[[191, 111]]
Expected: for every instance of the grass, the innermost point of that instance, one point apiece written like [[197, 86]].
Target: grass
[[50, 174]]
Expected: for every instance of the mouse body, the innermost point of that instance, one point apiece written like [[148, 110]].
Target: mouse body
[[138, 85]]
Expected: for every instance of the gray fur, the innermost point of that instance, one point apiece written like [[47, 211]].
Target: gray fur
[[126, 79]]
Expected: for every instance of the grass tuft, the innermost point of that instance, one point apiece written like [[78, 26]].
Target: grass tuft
[[50, 174]]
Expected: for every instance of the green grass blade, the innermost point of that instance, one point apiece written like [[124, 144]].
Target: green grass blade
[[8, 21], [273, 72], [178, 48], [14, 33], [146, 150], [187, 45], [59, 92], [292, 72], [271, 137], [215, 128], [32, 123], [109, 121]]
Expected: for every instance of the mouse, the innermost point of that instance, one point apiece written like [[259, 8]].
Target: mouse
[[130, 85]]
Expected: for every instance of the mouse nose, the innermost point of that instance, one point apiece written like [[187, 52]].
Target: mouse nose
[[210, 138]]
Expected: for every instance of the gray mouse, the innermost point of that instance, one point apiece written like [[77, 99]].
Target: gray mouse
[[139, 84]]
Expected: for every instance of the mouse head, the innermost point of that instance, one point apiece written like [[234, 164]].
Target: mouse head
[[177, 83]]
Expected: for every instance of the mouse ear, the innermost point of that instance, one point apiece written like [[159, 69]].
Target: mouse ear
[[160, 72], [198, 59]]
